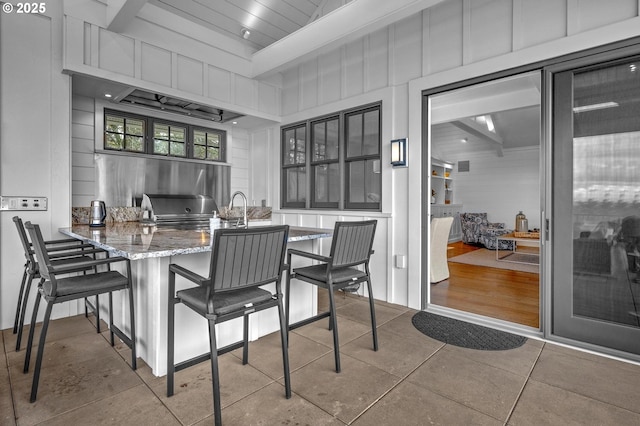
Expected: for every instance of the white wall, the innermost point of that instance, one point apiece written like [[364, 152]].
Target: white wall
[[501, 186], [82, 149], [35, 143], [454, 41], [451, 42]]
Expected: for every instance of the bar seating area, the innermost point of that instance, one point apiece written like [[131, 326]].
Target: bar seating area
[[410, 379]]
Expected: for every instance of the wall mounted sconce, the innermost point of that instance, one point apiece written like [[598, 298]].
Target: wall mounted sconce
[[399, 152]]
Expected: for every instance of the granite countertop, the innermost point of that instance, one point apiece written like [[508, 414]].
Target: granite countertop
[[135, 241], [82, 215]]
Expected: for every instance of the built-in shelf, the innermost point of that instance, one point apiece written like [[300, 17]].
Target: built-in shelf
[[441, 182]]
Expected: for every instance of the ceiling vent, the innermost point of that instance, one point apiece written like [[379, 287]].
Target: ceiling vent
[[178, 106], [463, 166]]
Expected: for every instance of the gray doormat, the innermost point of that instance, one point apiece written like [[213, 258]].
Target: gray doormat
[[464, 334]]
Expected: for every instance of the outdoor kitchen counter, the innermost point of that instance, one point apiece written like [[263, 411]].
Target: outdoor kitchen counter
[[136, 241], [151, 251]]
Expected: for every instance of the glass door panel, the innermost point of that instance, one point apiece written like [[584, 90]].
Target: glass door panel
[[596, 199]]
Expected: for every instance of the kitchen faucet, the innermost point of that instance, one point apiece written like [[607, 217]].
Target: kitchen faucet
[[245, 222]]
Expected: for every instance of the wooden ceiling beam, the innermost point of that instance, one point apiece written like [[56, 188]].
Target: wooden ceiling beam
[[120, 13], [476, 129]]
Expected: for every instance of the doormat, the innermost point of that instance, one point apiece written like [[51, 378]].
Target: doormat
[[464, 334]]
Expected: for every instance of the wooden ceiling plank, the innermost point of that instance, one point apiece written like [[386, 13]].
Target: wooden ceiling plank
[[214, 21]]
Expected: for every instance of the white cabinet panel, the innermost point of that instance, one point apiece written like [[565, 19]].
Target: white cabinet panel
[[155, 64], [190, 75], [219, 84], [116, 53]]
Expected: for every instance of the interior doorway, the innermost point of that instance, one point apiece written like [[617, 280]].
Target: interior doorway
[[485, 169]]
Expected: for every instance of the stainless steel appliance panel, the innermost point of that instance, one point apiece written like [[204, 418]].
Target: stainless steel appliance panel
[[121, 179]]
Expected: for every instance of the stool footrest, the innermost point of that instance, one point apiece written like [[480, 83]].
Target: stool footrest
[[309, 320]]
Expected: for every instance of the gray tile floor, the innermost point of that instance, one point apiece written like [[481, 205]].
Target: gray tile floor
[[411, 380]]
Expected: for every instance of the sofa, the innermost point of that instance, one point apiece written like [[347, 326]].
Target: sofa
[[477, 230]]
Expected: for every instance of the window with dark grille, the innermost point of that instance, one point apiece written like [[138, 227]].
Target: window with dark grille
[[363, 178], [207, 144], [294, 183], [325, 166], [342, 153], [169, 139], [149, 135], [124, 133]]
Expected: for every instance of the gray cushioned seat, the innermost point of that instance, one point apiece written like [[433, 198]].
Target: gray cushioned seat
[[98, 283], [224, 302], [339, 275]]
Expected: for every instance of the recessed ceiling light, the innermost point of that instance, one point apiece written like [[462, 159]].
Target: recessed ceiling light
[[464, 140], [107, 95], [245, 33], [234, 122]]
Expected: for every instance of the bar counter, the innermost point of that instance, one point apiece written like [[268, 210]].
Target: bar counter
[[151, 250], [136, 241]]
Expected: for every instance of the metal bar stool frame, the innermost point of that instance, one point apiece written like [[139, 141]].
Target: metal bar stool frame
[[241, 261], [58, 290], [61, 252], [351, 248]]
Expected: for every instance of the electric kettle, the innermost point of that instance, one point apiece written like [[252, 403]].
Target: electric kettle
[[98, 212]]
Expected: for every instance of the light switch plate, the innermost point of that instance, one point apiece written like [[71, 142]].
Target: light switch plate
[[23, 203]]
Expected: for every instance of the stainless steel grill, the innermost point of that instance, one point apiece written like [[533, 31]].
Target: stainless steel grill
[[178, 211]]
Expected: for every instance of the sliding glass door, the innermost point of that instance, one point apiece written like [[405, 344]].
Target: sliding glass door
[[595, 232]]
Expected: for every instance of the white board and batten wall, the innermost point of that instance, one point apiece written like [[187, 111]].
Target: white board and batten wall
[[501, 186], [453, 41]]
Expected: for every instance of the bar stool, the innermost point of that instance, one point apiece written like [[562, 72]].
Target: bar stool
[[58, 290], [242, 260], [61, 252], [351, 248]]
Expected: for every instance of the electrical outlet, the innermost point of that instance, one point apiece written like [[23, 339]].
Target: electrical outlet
[[23, 203]]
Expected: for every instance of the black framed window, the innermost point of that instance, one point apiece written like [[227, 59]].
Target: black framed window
[[169, 139], [363, 177], [325, 166], [342, 153], [150, 135], [124, 133], [207, 144], [294, 160]]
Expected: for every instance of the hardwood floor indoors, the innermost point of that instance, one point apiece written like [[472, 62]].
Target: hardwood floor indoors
[[497, 293]]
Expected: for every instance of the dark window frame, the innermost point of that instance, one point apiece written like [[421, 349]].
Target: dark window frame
[[315, 163], [169, 124], [343, 160], [150, 122], [125, 117], [294, 165]]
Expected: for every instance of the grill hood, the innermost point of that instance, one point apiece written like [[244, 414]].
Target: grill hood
[[191, 211]]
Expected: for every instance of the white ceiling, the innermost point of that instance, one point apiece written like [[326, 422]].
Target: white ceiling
[[267, 20], [513, 104]]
